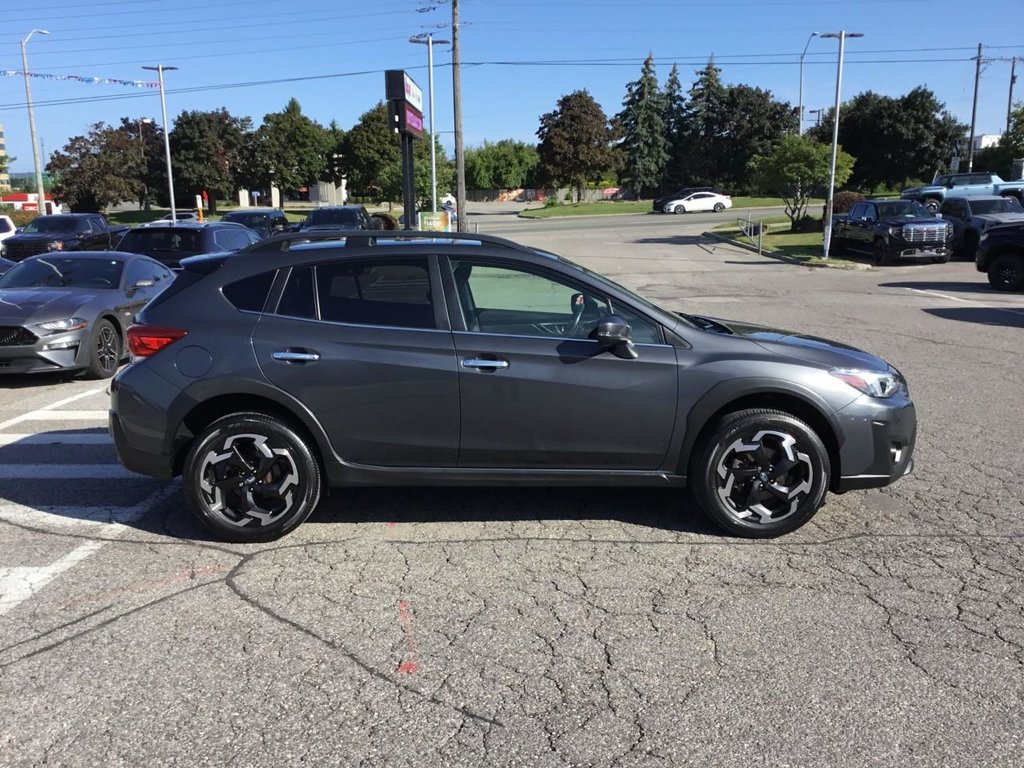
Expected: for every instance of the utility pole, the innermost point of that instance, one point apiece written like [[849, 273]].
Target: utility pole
[[1009, 103], [460, 160], [974, 111], [800, 108]]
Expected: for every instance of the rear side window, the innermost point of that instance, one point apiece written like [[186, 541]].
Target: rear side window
[[394, 293], [297, 299], [250, 293]]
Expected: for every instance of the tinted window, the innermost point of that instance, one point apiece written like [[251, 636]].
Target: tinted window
[[297, 299], [249, 294], [340, 217], [231, 239], [68, 272], [1002, 205], [52, 224], [146, 270], [393, 293], [162, 240], [906, 209]]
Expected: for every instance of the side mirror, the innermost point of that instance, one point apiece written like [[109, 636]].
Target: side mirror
[[613, 334], [143, 283]]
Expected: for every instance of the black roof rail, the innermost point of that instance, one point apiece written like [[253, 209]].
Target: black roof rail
[[369, 237]]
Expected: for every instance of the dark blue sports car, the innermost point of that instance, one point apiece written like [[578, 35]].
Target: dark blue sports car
[[70, 311]]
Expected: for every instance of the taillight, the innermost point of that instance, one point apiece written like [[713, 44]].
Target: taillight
[[145, 340]]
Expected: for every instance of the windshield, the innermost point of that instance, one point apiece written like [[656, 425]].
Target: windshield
[[1002, 205], [343, 217], [249, 219], [941, 181], [62, 224], [903, 209], [162, 240], [68, 272]]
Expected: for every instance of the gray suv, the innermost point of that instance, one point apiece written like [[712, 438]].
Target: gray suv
[[471, 360]]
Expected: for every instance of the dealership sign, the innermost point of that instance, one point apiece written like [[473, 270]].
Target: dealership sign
[[405, 103]]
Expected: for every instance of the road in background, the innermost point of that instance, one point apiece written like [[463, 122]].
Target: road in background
[[540, 627]]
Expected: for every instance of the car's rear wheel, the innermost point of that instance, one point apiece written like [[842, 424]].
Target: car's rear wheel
[[760, 473], [104, 350], [1006, 272], [719, 207], [679, 209], [880, 252], [251, 477]]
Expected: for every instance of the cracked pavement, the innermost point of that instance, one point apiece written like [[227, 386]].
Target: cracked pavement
[[553, 627]]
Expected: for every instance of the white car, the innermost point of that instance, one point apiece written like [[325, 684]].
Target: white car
[[699, 201], [6, 230]]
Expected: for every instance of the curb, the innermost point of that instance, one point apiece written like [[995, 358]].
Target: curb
[[783, 257]]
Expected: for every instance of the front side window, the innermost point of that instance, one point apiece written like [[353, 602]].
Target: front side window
[[512, 301], [392, 293]]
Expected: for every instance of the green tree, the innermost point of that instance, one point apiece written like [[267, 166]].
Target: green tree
[[506, 164], [97, 170], [644, 143], [295, 148], [674, 118], [575, 142], [797, 166], [999, 159], [700, 139], [752, 123], [895, 139], [207, 154]]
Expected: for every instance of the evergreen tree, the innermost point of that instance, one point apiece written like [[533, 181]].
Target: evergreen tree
[[644, 144], [702, 127], [674, 119]]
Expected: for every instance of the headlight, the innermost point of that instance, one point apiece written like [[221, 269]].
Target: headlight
[[56, 245], [67, 324], [873, 383], [895, 231]]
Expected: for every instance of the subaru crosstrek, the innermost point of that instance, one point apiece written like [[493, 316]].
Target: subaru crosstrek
[[263, 378]]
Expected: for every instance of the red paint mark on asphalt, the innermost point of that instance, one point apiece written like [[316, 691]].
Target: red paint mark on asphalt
[[408, 663], [392, 525]]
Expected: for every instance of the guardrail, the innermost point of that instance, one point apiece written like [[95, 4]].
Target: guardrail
[[753, 231]]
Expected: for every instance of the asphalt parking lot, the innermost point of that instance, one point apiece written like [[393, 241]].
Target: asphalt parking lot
[[537, 627]]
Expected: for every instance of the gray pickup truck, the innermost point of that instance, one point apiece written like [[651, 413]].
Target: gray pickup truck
[[962, 185]]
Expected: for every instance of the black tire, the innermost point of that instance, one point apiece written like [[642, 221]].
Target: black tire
[[104, 350], [933, 205], [760, 473], [1006, 272], [719, 207], [880, 252], [238, 499], [679, 209]]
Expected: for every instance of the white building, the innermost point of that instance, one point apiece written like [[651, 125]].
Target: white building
[[986, 140]]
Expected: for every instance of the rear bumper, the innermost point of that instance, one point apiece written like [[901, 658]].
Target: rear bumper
[[879, 444]]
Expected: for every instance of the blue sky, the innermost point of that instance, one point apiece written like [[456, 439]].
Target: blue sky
[[519, 57]]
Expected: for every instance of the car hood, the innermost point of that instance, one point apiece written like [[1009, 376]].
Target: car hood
[[38, 305], [43, 237], [995, 219], [813, 349]]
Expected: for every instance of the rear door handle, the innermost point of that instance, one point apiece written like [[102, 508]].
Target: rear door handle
[[475, 362], [295, 356]]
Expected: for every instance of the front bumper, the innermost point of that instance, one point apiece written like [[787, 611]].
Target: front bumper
[[879, 443], [899, 248], [54, 352]]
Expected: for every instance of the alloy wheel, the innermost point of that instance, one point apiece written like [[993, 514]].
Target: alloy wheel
[[250, 480], [108, 350], [765, 477]]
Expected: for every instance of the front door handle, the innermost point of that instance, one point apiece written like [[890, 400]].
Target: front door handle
[[294, 356], [476, 362]]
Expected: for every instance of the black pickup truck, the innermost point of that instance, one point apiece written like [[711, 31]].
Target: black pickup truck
[[63, 232], [1000, 255], [892, 229]]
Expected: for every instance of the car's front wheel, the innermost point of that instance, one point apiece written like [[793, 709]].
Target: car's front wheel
[[1006, 272], [760, 473], [880, 252], [251, 477], [105, 351]]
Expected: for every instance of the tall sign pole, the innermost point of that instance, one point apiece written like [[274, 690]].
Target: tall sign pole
[[460, 158], [405, 112]]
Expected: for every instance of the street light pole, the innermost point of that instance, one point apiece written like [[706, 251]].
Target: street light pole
[[40, 191], [842, 35], [429, 42], [800, 109], [160, 69]]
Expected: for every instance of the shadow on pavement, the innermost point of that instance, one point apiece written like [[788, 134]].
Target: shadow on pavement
[[941, 285], [682, 240], [45, 379], [1008, 318]]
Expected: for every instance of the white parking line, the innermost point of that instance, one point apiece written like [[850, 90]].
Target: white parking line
[[976, 303], [19, 584], [49, 414], [50, 407], [66, 472], [55, 438]]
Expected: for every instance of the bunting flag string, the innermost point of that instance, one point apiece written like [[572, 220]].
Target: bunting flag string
[[81, 79]]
